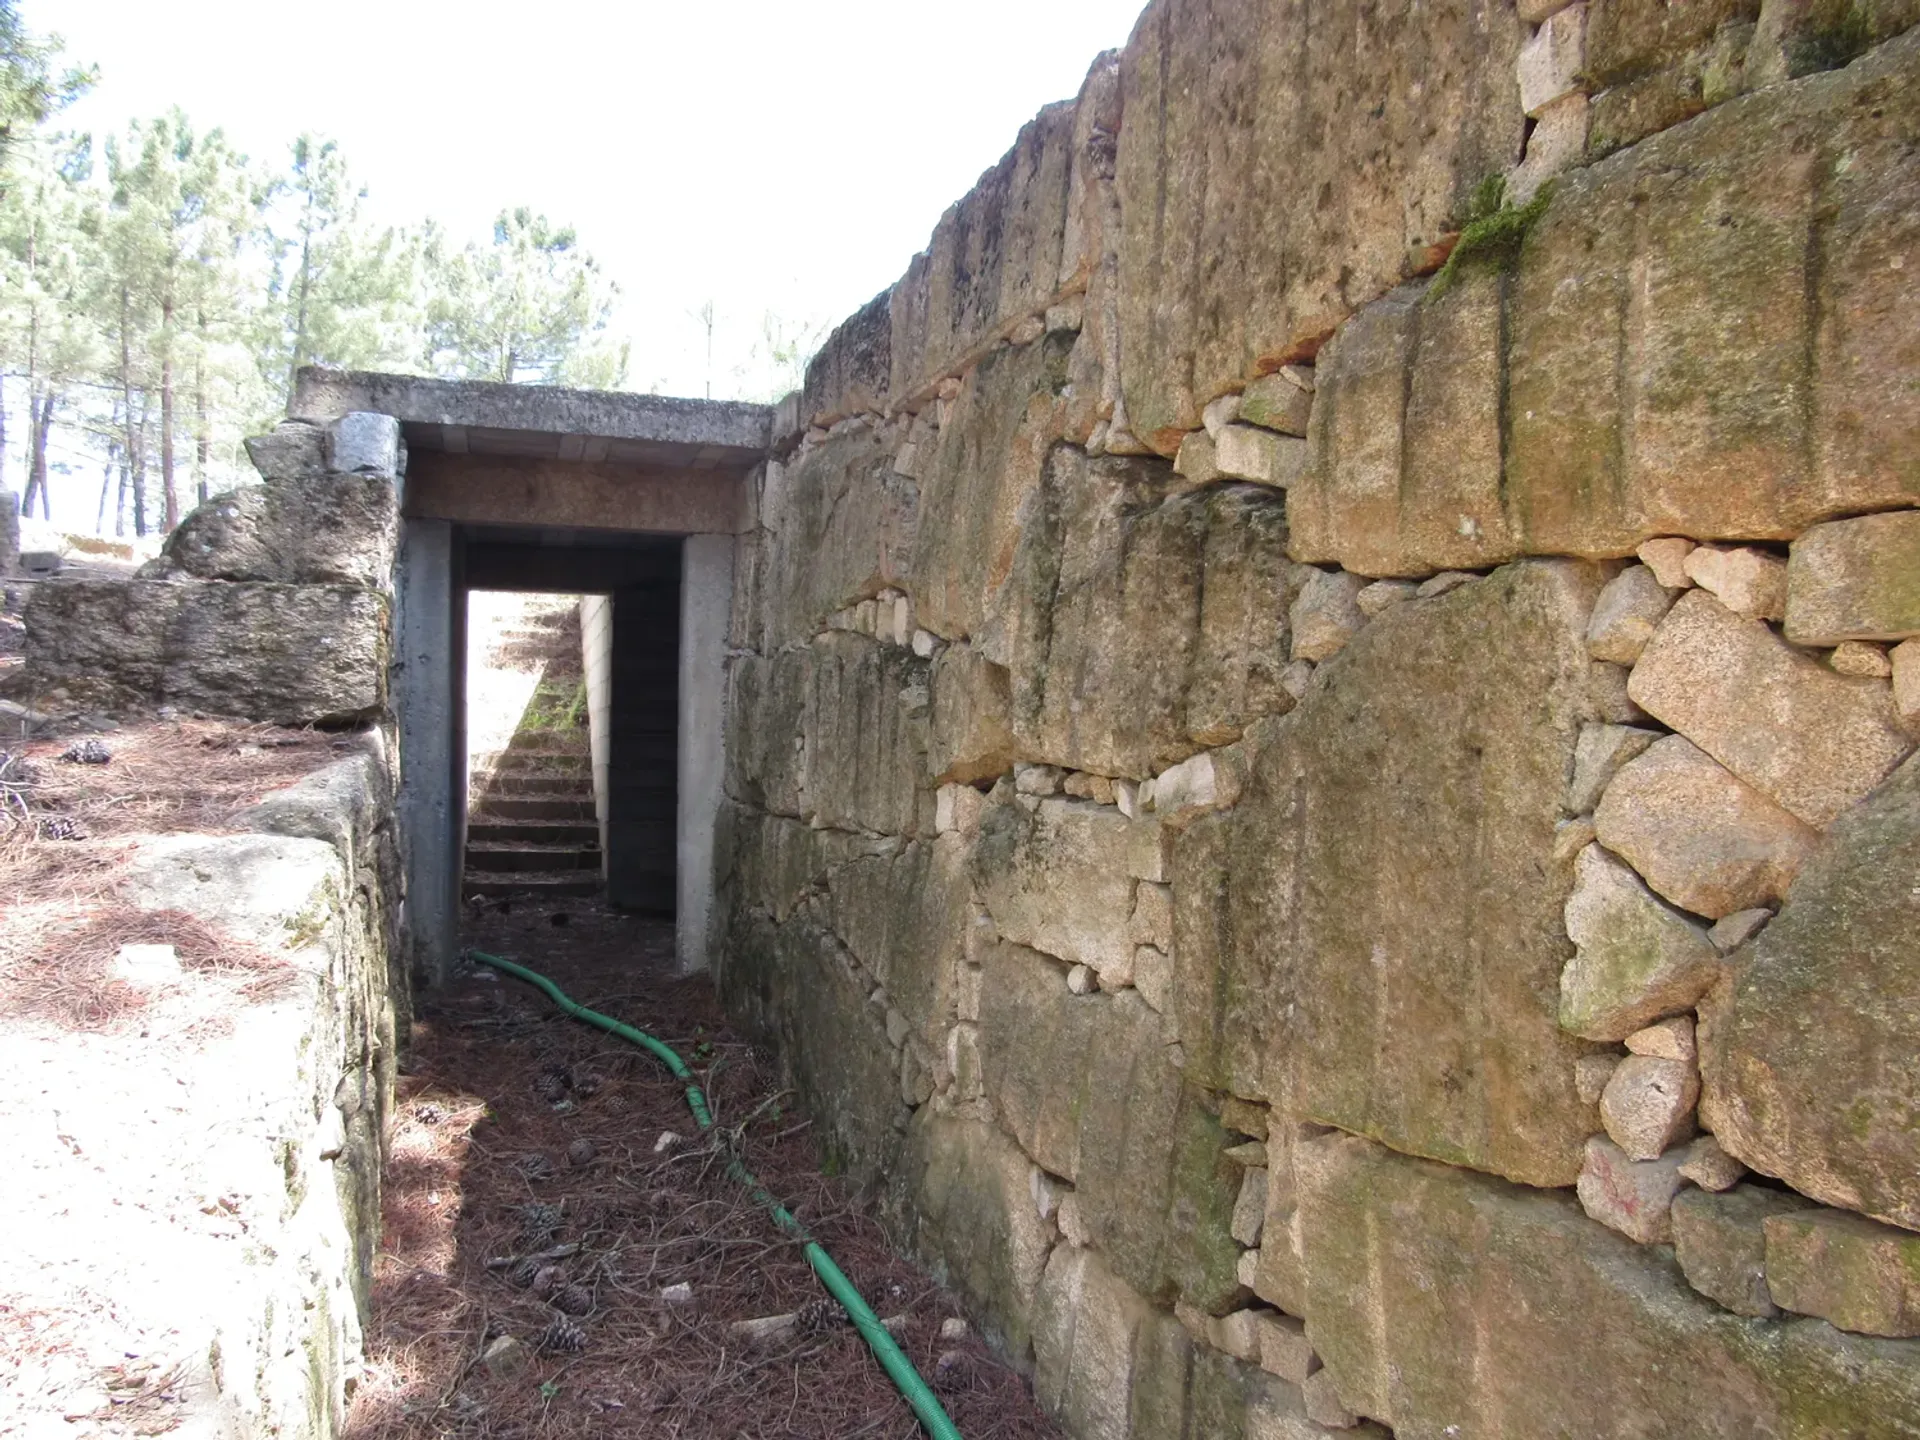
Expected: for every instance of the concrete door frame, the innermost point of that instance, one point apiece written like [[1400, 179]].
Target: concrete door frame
[[579, 461]]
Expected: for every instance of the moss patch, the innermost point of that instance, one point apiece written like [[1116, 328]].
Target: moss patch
[[1493, 233]]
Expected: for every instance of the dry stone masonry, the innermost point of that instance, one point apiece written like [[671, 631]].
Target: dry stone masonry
[[1323, 705]]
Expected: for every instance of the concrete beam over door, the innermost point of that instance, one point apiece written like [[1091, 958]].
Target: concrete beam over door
[[506, 490], [730, 433]]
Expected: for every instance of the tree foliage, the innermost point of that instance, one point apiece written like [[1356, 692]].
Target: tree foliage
[[160, 291]]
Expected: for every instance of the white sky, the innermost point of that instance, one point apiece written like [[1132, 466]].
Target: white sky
[[767, 155]]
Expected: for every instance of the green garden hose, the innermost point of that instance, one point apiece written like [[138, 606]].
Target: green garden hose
[[907, 1380]]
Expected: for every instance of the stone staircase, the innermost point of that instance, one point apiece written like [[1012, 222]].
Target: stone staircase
[[531, 830]]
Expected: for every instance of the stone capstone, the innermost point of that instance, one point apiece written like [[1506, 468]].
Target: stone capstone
[[1812, 741], [1702, 838], [1810, 1050], [323, 530]]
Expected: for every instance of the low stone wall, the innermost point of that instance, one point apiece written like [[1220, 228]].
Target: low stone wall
[[272, 602], [207, 1220], [1340, 838]]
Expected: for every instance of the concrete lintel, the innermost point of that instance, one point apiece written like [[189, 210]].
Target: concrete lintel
[[740, 430], [510, 490]]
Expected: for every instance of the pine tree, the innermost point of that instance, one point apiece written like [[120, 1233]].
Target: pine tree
[[531, 307]]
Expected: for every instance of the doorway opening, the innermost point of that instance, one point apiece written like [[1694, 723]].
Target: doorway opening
[[570, 720]]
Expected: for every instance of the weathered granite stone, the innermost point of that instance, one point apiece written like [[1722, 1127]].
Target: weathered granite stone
[[1855, 580], [1591, 1074], [1552, 59], [1858, 658], [1149, 629], [1557, 142], [291, 654], [1250, 1210], [848, 532], [1793, 38], [1248, 452], [867, 721], [1710, 1167], [1637, 959], [1326, 615], [982, 478], [1211, 780], [1383, 593], [1058, 879], [1811, 740], [1602, 750], [1626, 615], [1632, 1196], [1647, 1106], [1747, 581], [836, 1048], [1811, 1050], [1220, 413], [1086, 1324], [1281, 401], [1721, 1244], [1704, 839], [976, 1222], [295, 450], [1667, 558], [1228, 86], [1197, 461], [1905, 660], [1327, 942], [899, 914], [1422, 1274], [850, 372], [1679, 411], [971, 737], [1666, 1040], [1851, 1271], [1730, 933], [324, 530], [1404, 466]]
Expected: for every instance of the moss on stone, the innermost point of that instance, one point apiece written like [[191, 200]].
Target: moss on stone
[[1493, 233]]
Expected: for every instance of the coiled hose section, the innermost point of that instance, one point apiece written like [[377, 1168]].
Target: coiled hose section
[[907, 1380]]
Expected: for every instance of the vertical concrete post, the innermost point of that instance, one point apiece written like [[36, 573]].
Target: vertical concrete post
[[596, 660], [425, 681], [706, 607]]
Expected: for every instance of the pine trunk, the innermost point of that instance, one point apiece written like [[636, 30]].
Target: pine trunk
[[170, 493]]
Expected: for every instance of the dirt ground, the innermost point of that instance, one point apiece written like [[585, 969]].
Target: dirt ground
[[547, 1183]]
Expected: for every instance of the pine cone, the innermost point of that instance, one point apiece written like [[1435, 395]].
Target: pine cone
[[563, 1337], [575, 1300], [585, 1082], [539, 1223], [524, 1273], [551, 1084], [817, 1316], [59, 827], [534, 1166], [86, 752], [547, 1280]]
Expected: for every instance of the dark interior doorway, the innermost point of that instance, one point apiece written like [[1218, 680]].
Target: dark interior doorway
[[605, 809]]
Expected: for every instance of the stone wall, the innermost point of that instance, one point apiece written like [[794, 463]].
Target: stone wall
[[271, 602], [1319, 746]]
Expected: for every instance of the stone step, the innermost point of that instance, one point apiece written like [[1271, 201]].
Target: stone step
[[556, 762], [533, 807], [556, 786], [582, 833], [532, 887], [515, 858]]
